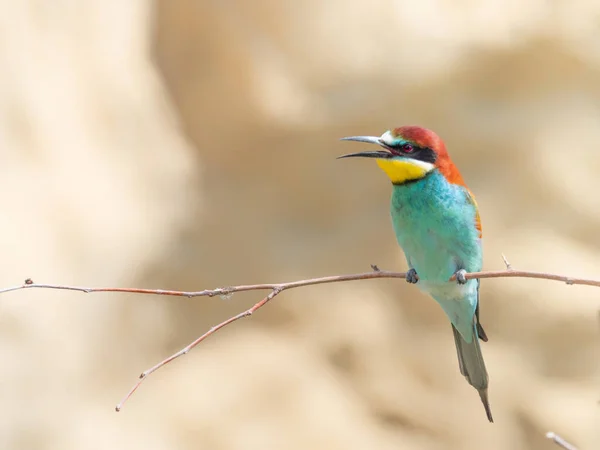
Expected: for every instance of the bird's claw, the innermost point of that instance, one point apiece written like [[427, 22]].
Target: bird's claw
[[461, 276], [411, 276]]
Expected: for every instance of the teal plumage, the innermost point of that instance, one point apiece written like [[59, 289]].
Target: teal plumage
[[437, 225], [434, 223]]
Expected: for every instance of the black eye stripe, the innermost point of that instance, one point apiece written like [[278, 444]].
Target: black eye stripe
[[427, 155], [424, 154]]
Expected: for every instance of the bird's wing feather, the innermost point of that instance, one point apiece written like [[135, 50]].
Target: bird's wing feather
[[471, 199]]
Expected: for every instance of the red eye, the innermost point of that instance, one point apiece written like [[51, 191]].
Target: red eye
[[407, 148]]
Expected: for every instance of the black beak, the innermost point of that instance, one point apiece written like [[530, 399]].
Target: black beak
[[369, 140]]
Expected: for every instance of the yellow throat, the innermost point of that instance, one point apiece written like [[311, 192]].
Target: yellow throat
[[402, 170]]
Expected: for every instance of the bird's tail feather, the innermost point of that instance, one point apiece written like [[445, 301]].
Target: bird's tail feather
[[472, 366]]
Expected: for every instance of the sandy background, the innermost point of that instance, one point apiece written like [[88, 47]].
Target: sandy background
[[191, 144]]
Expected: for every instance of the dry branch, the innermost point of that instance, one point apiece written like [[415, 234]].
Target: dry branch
[[276, 289]]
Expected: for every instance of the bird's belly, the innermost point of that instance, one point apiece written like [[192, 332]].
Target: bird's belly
[[432, 258], [435, 261], [436, 249]]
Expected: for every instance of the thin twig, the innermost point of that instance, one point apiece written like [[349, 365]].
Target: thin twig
[[506, 263], [185, 350], [276, 288], [560, 441], [294, 284]]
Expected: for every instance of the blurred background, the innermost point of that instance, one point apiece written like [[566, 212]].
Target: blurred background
[[186, 144]]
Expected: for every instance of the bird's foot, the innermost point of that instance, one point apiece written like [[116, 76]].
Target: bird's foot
[[460, 276], [411, 276]]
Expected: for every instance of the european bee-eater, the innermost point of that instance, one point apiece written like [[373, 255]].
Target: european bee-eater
[[437, 224]]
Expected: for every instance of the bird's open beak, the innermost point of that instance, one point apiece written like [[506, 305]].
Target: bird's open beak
[[370, 140]]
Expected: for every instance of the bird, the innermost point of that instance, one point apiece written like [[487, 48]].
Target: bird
[[437, 224]]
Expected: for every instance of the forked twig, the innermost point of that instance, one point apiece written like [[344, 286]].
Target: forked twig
[[186, 349], [276, 289]]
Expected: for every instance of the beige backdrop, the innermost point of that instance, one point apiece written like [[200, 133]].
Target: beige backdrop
[[191, 144]]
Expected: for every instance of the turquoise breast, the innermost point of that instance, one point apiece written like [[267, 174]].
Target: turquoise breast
[[434, 222]]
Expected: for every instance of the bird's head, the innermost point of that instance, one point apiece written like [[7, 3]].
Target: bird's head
[[409, 153]]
